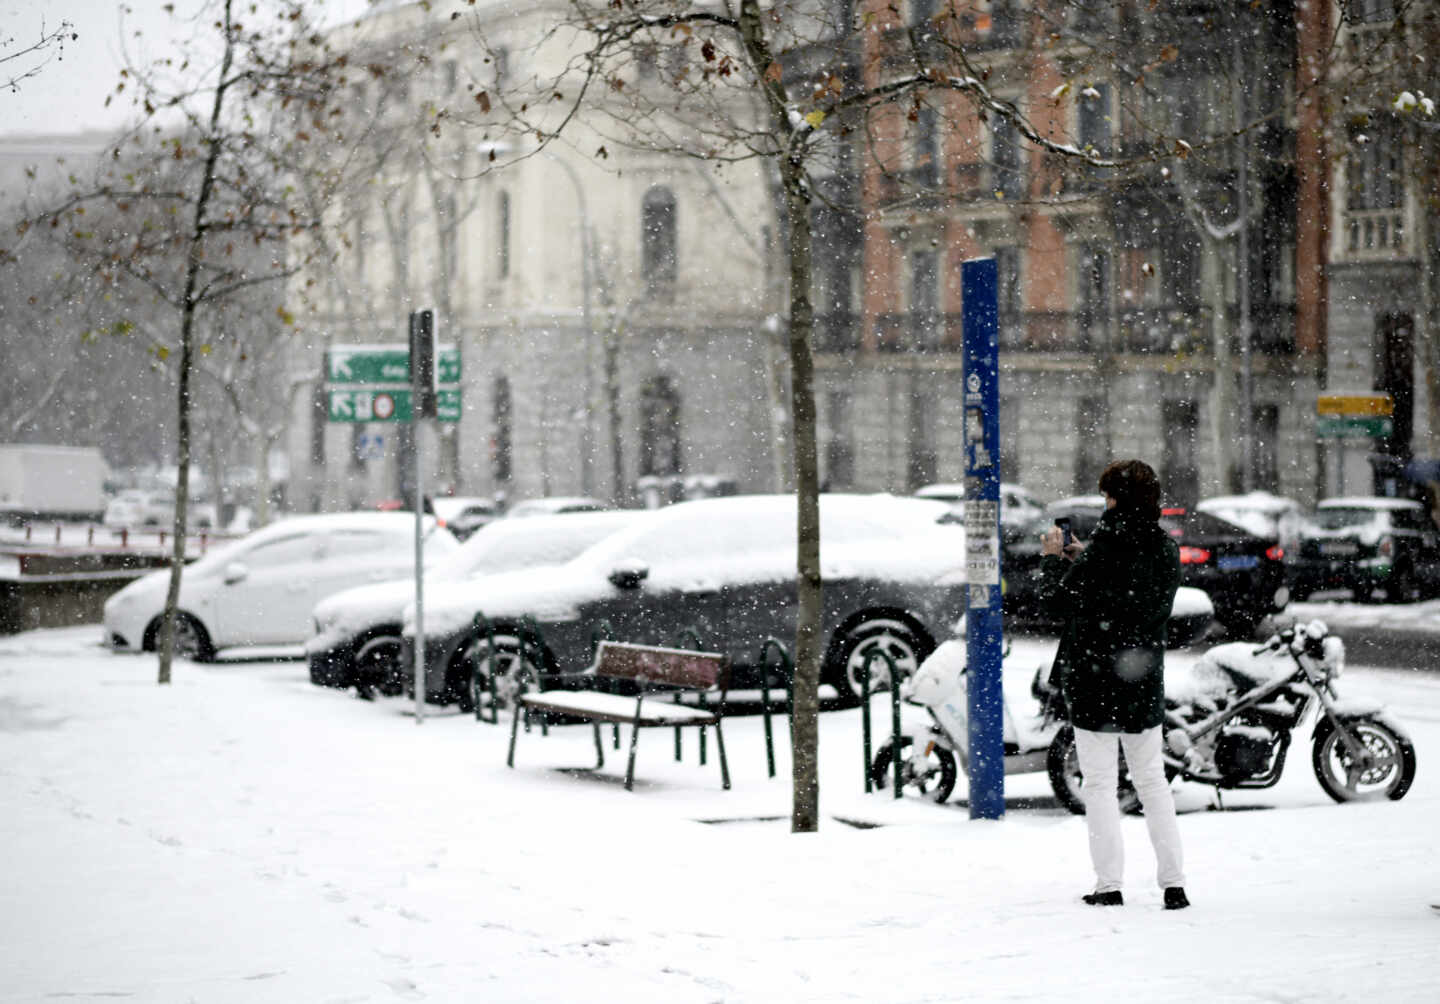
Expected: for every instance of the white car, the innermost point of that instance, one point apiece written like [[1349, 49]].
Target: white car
[[136, 507], [357, 631], [556, 504], [259, 590]]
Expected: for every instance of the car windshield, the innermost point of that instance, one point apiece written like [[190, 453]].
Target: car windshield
[[1341, 517], [504, 546]]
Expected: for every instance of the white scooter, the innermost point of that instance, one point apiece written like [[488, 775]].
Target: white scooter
[[1039, 741]]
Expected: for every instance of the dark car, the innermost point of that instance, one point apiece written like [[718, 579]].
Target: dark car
[[1243, 573], [1362, 544], [717, 573]]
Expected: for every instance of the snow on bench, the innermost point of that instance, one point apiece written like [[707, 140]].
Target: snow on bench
[[659, 673]]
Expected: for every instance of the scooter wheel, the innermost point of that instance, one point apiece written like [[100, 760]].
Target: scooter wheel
[[934, 778]]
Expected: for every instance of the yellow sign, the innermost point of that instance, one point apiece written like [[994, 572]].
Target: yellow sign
[[1355, 404]]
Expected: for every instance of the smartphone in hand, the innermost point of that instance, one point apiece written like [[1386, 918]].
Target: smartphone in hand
[[1066, 538]]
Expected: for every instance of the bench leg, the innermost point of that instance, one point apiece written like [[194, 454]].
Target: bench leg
[[634, 745], [599, 747], [615, 731], [702, 746], [514, 728], [677, 744], [724, 766]]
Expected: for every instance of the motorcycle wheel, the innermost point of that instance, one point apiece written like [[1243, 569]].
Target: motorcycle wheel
[[936, 780], [1063, 765], [1389, 776]]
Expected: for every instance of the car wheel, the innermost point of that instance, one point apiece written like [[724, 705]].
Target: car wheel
[[377, 665], [512, 667], [866, 642], [192, 641]]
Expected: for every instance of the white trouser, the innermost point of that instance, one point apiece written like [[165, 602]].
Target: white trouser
[[1099, 763]]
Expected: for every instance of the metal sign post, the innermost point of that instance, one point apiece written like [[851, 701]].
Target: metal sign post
[[980, 317], [422, 392]]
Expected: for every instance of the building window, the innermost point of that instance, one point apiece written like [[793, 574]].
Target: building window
[[1375, 189], [1180, 473], [1374, 173], [1092, 442], [1007, 178], [840, 446], [657, 240], [1092, 119], [1010, 437], [923, 460], [1092, 291], [501, 431], [926, 152], [1264, 463], [502, 235], [924, 300], [659, 427], [1368, 11], [1007, 270]]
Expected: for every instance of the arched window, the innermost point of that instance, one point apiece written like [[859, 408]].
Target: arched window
[[657, 239], [502, 235], [659, 427]]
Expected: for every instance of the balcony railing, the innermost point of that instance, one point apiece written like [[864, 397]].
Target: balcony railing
[[1375, 233], [1165, 330]]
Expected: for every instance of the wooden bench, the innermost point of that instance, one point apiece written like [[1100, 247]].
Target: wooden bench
[[659, 673]]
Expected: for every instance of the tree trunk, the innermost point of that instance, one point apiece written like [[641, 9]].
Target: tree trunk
[[195, 254], [1222, 392], [804, 722]]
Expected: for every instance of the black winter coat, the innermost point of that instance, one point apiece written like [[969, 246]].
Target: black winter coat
[[1116, 599]]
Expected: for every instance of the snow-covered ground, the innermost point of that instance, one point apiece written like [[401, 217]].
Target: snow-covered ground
[[243, 836]]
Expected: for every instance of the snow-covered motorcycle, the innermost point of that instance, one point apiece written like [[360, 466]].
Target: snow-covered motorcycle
[[933, 756], [1229, 721]]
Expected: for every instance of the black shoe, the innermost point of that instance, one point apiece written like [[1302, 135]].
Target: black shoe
[[1175, 898], [1112, 898]]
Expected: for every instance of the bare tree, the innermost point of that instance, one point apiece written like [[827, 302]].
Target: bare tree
[[788, 84], [205, 185], [21, 60]]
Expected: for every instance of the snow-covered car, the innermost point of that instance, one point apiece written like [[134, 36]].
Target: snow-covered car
[[1362, 544], [720, 572], [260, 589], [463, 515], [1018, 504], [1243, 572], [135, 507], [357, 631], [1261, 513], [556, 504]]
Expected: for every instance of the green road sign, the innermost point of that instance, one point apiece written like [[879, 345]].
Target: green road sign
[[385, 364], [372, 404], [1353, 426]]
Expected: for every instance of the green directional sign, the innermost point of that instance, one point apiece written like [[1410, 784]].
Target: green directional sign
[[385, 364], [1353, 426], [383, 404]]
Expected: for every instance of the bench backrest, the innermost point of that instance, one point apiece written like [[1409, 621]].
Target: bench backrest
[[672, 667]]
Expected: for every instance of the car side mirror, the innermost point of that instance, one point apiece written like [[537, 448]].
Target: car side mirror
[[629, 575], [235, 572]]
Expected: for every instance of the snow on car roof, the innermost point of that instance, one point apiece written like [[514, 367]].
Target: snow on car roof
[[1367, 502], [1257, 501]]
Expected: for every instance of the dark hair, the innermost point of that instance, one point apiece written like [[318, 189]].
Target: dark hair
[[1133, 485]]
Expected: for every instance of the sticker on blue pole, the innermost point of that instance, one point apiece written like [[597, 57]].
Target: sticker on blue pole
[[983, 640]]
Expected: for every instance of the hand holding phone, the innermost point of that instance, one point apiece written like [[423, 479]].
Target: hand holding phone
[[1066, 539]]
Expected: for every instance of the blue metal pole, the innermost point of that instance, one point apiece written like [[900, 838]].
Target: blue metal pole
[[984, 642]]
